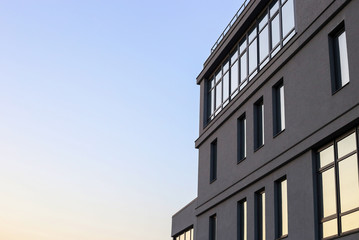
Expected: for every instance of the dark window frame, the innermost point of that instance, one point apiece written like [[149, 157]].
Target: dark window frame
[[259, 212], [241, 138], [278, 208], [242, 219], [213, 227], [277, 108], [258, 123], [213, 161]]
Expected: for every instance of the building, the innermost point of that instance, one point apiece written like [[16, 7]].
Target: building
[[278, 130]]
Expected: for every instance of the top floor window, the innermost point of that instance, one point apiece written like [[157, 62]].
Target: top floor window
[[272, 30]]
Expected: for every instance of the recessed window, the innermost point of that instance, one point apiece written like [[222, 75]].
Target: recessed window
[[241, 135], [260, 218], [242, 220], [339, 187], [213, 227], [281, 209], [258, 124], [213, 161], [278, 108], [339, 58], [186, 235]]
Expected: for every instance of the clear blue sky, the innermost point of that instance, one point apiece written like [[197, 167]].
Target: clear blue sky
[[99, 113]]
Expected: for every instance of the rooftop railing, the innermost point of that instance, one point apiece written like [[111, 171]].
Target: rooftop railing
[[235, 17]]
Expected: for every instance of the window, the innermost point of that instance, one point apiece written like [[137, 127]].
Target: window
[[260, 227], [278, 108], [338, 186], [273, 29], [339, 58], [258, 124], [241, 135], [242, 220], [186, 235], [281, 209], [213, 227], [213, 164]]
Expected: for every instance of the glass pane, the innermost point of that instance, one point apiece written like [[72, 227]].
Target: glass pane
[[225, 86], [212, 101], [282, 111], [243, 45], [252, 56], [234, 57], [328, 193], [244, 72], [234, 77], [275, 31], [287, 17], [348, 183], [244, 220], [252, 34], [330, 228], [284, 208], [344, 67], [226, 66], [346, 145], [218, 76], [350, 221], [263, 21], [326, 156], [218, 95], [274, 7], [263, 44], [188, 235], [263, 216], [192, 234]]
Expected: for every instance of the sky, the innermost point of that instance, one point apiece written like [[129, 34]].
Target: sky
[[99, 114]]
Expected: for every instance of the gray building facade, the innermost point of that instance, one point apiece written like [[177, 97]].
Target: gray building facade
[[279, 126]]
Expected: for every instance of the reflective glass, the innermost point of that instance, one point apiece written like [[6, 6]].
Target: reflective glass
[[326, 156], [192, 234], [263, 44], [282, 111], [348, 183], [234, 57], [218, 95], [252, 34], [245, 220], [284, 207], [328, 193], [287, 17], [225, 86], [275, 31], [274, 8], [346, 145], [218, 76], [244, 72], [252, 51], [225, 66], [263, 216], [188, 235], [330, 228], [263, 22], [234, 77], [243, 45], [350, 221], [344, 67], [212, 102]]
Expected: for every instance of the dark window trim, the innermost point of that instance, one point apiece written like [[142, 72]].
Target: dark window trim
[[258, 122], [241, 138], [277, 110], [213, 227], [213, 161], [258, 227], [278, 207], [241, 219]]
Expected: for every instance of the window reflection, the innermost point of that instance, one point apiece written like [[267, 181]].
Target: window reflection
[[187, 235], [346, 145], [328, 193]]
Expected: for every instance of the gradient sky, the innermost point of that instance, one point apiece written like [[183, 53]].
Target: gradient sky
[[99, 113]]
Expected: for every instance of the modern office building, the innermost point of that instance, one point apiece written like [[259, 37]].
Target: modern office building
[[279, 126]]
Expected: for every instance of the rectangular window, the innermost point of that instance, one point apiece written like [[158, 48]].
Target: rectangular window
[[241, 135], [213, 164], [339, 58], [186, 235], [278, 108], [260, 219], [242, 220], [258, 124], [281, 209], [213, 227], [338, 180]]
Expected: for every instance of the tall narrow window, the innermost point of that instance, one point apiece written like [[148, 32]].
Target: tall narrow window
[[339, 58], [260, 226], [241, 138], [281, 208], [213, 227], [338, 179], [213, 164], [242, 220], [258, 124], [278, 108]]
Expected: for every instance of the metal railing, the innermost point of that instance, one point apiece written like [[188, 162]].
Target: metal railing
[[235, 17]]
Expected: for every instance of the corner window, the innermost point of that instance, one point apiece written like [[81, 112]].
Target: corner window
[[213, 163], [339, 58], [338, 180], [281, 209], [258, 109], [241, 138], [213, 227], [278, 108], [242, 220]]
